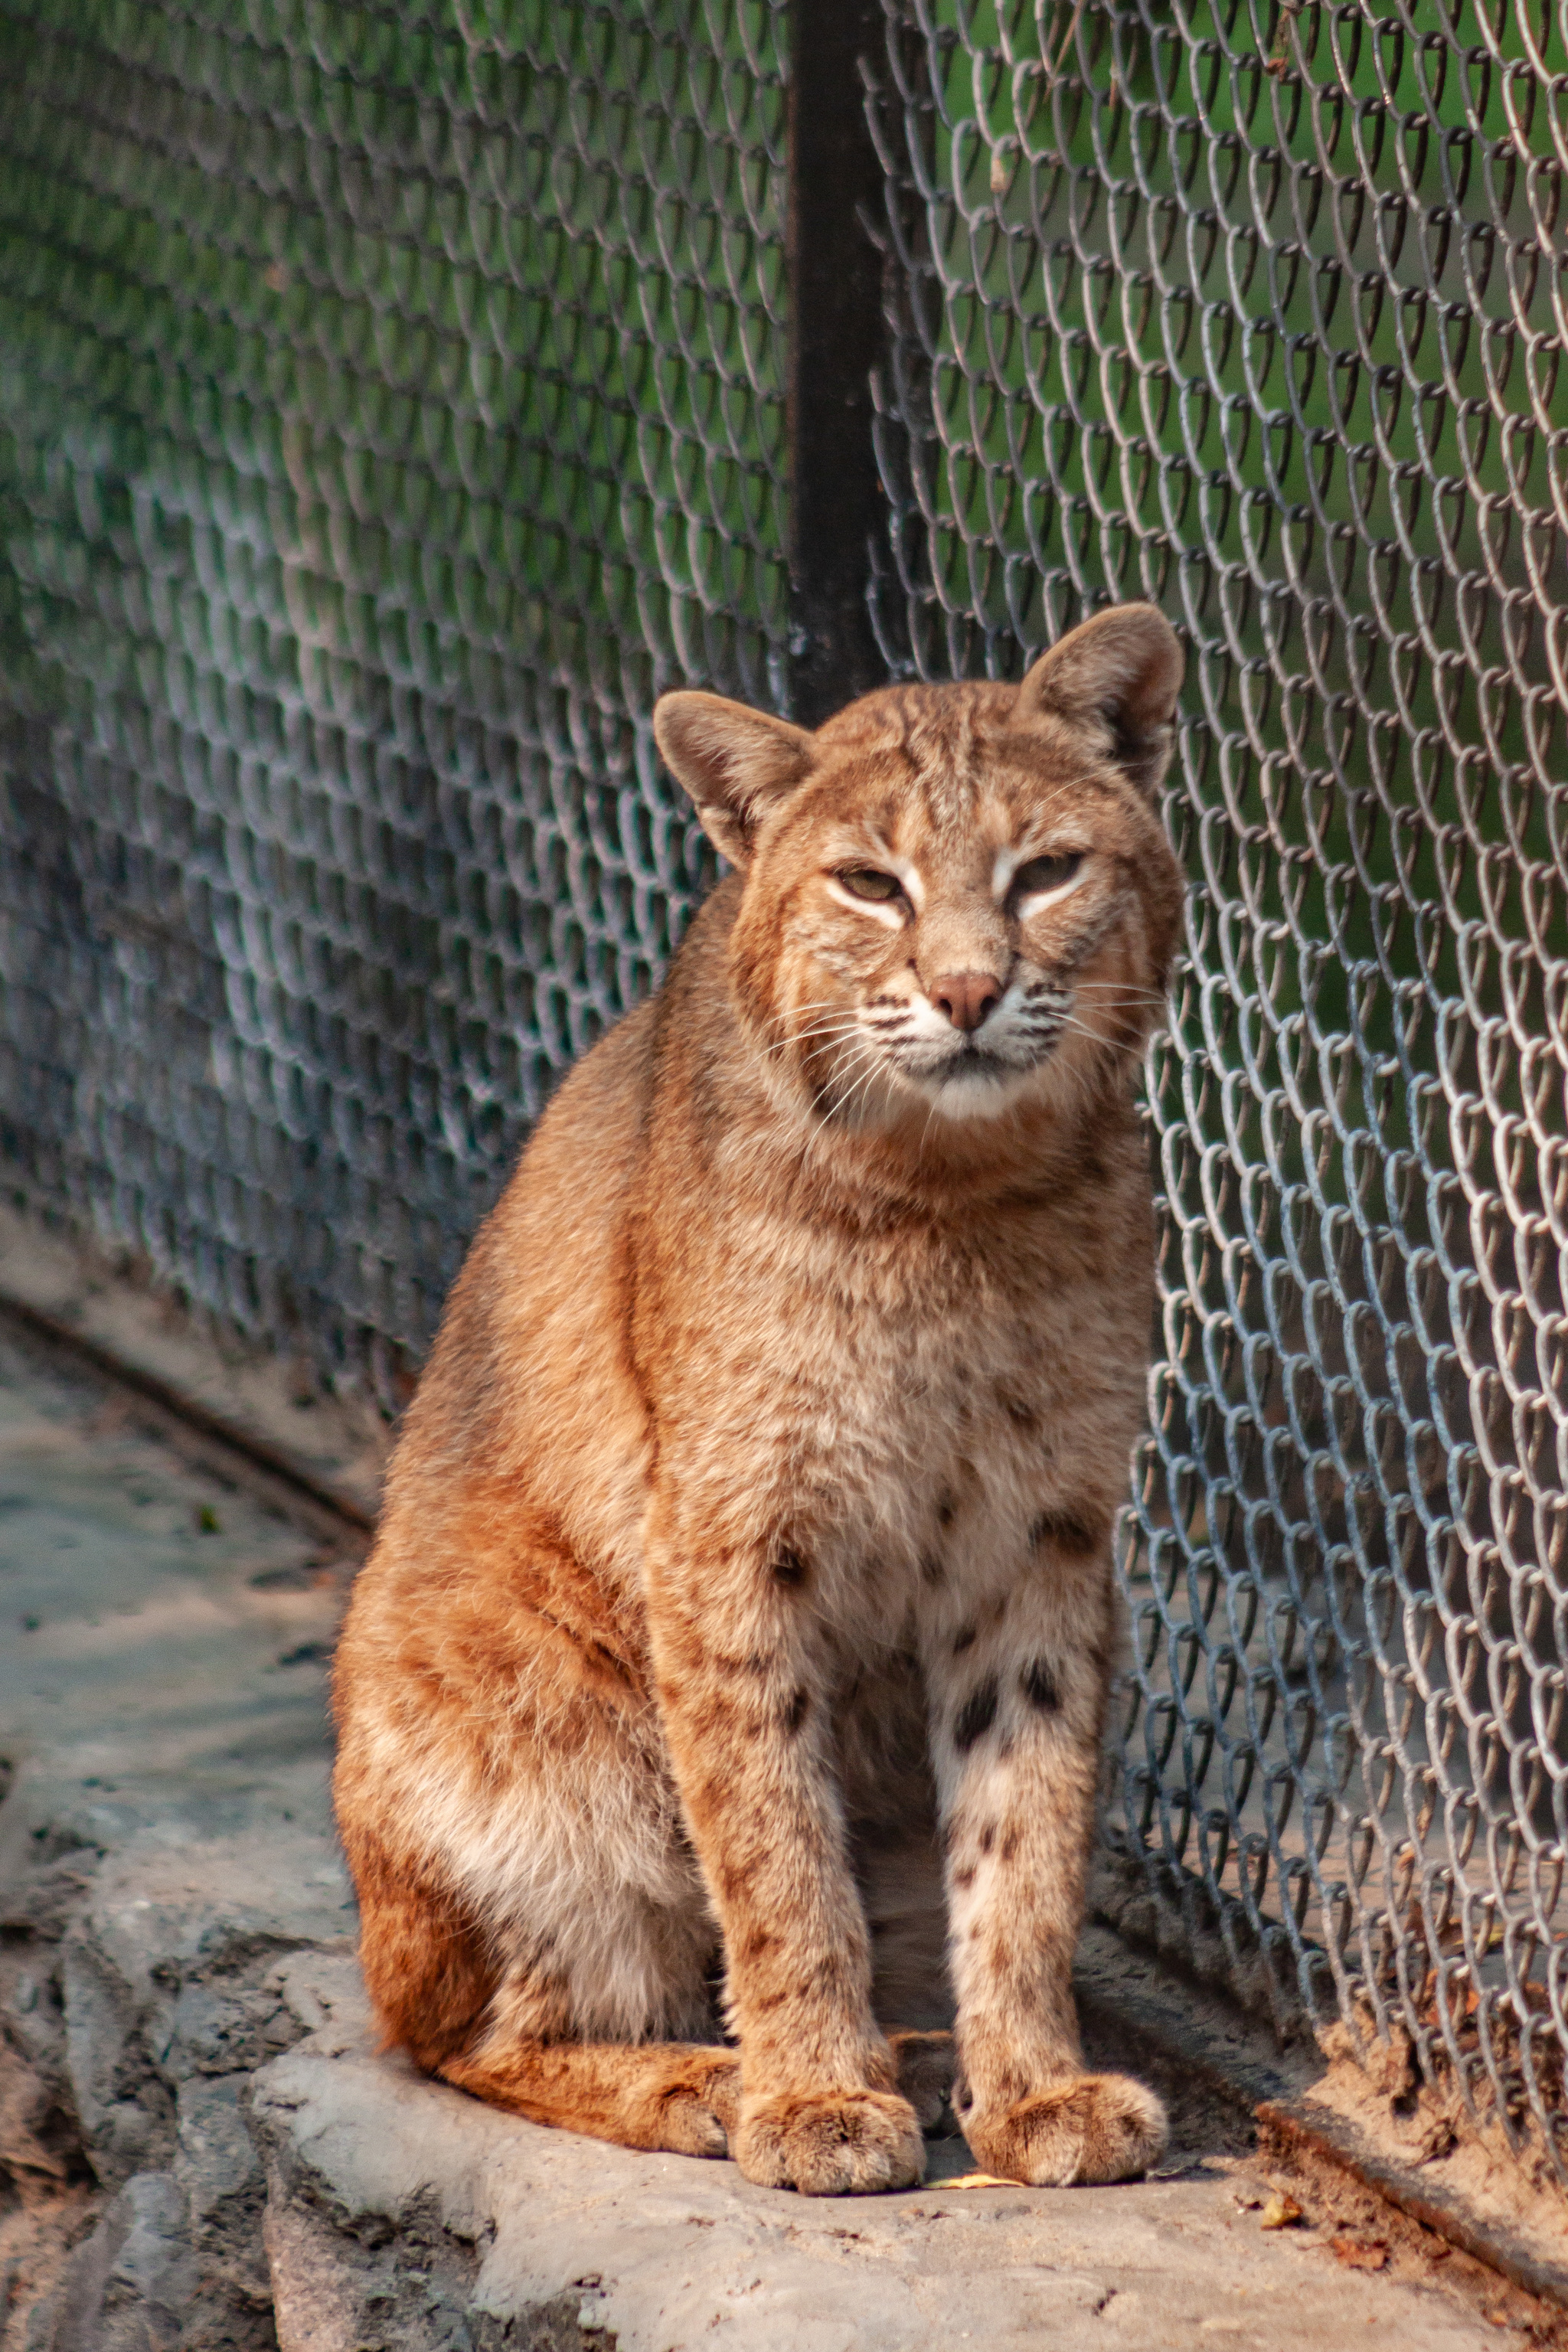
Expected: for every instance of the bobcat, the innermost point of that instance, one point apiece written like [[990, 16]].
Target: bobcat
[[737, 1636]]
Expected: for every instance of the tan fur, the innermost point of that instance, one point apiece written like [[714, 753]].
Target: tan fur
[[741, 1618]]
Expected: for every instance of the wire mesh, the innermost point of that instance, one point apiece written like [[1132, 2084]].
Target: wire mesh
[[390, 407], [391, 404], [1259, 310]]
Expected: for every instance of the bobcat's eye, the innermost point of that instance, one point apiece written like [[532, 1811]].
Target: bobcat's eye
[[1046, 873], [868, 882]]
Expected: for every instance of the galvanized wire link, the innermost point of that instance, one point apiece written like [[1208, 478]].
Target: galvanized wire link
[[390, 406], [1259, 310]]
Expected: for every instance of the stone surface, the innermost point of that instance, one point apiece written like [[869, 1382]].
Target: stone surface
[[165, 1844], [403, 2213], [339, 1443], [189, 2088]]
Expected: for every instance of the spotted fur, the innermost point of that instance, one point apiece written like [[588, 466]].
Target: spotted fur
[[733, 1652]]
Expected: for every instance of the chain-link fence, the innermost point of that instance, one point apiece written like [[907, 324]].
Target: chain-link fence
[[392, 405], [393, 400]]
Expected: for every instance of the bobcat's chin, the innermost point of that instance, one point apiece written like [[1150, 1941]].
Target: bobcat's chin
[[977, 1084], [959, 1090]]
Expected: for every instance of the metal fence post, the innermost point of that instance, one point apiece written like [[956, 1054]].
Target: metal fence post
[[837, 333]]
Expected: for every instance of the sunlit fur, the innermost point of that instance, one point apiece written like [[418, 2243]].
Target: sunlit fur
[[736, 1641]]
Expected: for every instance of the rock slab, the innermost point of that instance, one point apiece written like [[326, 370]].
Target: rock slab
[[400, 2214]]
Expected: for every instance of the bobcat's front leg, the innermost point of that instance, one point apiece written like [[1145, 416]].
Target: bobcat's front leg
[[1018, 1706], [741, 1683]]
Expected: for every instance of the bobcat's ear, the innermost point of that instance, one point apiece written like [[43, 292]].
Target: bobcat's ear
[[736, 763], [1121, 669]]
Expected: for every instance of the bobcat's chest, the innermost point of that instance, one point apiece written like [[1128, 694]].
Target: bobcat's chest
[[938, 1442]]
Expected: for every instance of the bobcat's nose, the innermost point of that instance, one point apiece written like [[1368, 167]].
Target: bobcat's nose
[[966, 997]]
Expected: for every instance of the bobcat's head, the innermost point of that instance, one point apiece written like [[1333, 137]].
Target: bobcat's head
[[953, 896]]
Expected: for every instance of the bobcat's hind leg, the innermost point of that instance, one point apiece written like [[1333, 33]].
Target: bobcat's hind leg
[[680, 2096], [514, 2035]]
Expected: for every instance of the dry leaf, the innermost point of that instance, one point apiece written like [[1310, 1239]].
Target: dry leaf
[[1279, 2212], [1360, 2253], [974, 2180]]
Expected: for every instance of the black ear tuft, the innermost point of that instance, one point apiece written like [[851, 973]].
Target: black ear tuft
[[1121, 671]]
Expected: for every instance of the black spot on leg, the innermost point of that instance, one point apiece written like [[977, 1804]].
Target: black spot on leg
[[1023, 1415], [797, 1710], [789, 1570], [1040, 1687], [1078, 1530], [945, 1510], [931, 1570], [963, 1880], [987, 1837], [976, 1716], [745, 1666], [962, 1639]]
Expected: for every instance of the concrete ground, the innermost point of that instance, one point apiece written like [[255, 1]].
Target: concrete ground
[[201, 2151]]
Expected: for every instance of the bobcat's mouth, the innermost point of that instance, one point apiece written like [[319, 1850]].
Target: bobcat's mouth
[[973, 1060], [962, 1074], [1024, 1030], [968, 1074]]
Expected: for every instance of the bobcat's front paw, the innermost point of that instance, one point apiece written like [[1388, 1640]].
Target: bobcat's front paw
[[1095, 2127], [830, 2142]]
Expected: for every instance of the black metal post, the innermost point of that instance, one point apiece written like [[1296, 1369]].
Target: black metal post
[[836, 334]]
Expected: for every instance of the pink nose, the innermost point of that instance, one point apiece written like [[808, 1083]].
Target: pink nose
[[966, 997]]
